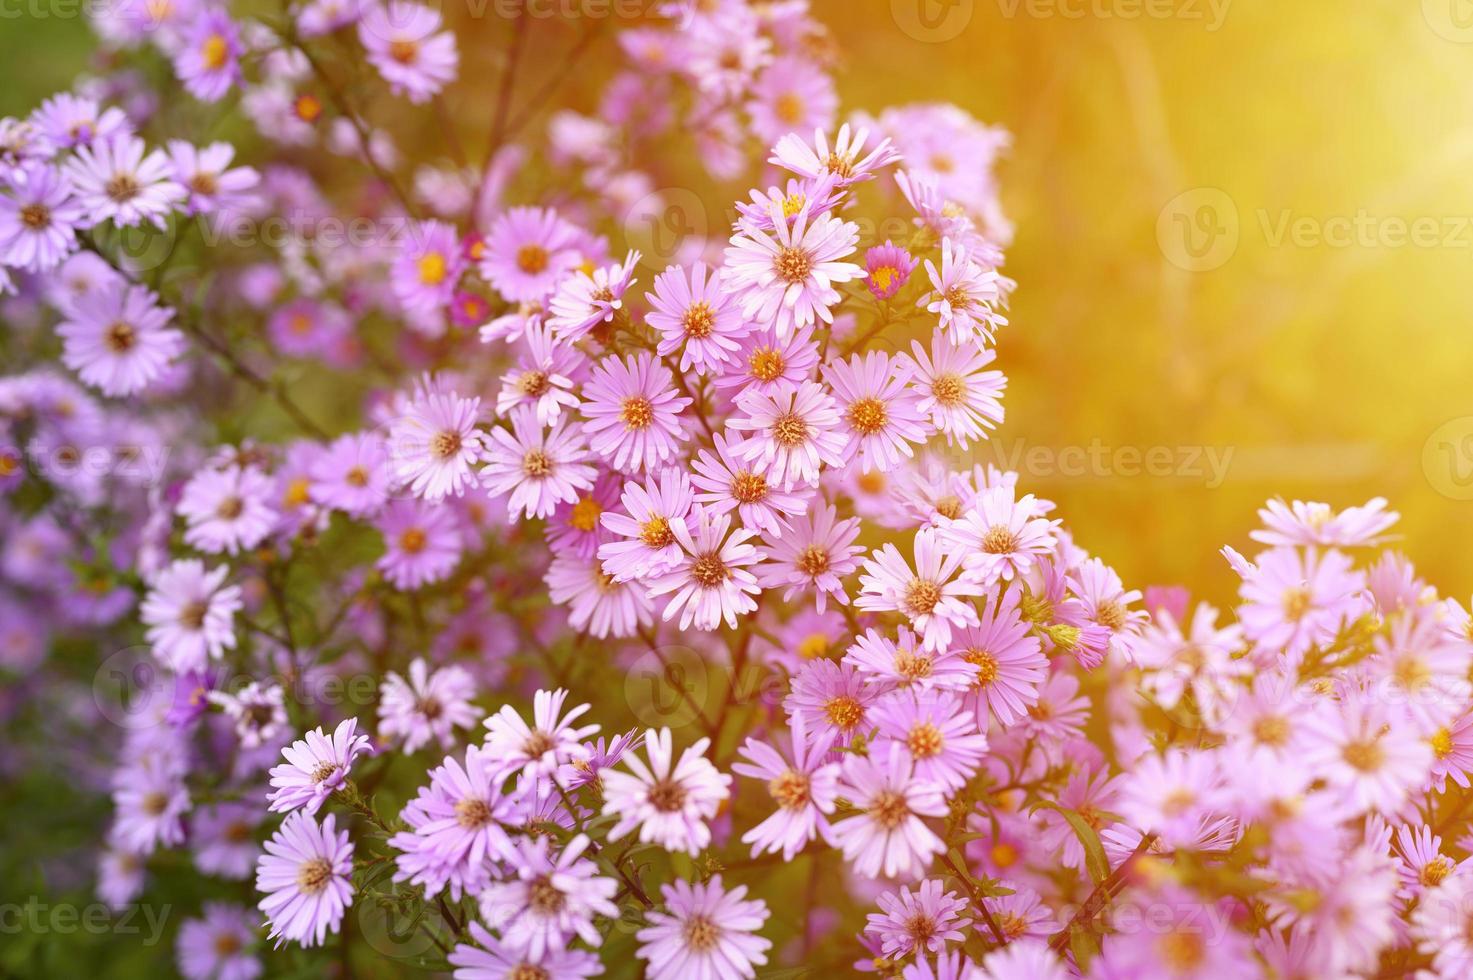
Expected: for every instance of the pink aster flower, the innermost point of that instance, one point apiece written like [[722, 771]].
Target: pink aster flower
[[711, 582], [814, 554], [1170, 793], [888, 269], [1300, 523], [795, 431], [704, 931], [118, 339], [881, 413], [550, 742], [695, 315], [316, 767], [426, 704], [405, 44], [121, 181], [770, 364], [1009, 660], [938, 732], [309, 328], [353, 475], [785, 279], [208, 61], [39, 220], [1293, 600], [889, 835], [670, 804], [962, 400], [223, 837], [1366, 754], [1002, 537], [422, 543], [434, 442], [528, 251], [633, 412], [842, 161], [1440, 927], [544, 376], [456, 825], [214, 186], [496, 960], [428, 267], [258, 710], [306, 875], [583, 300], [1423, 865], [931, 597], [226, 509], [645, 543], [550, 899], [834, 699], [791, 95], [726, 482], [66, 121], [804, 791], [218, 946], [149, 804], [538, 469], [965, 295], [923, 921], [190, 614]]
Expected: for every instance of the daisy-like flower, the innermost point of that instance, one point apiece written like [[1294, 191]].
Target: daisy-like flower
[[1293, 600], [121, 181], [544, 377], [726, 482], [550, 742], [832, 699], [306, 876], [842, 162], [814, 554], [456, 825], [922, 922], [695, 315], [190, 614], [938, 732], [550, 900], [67, 121], [428, 267], [422, 543], [118, 339], [316, 767], [208, 62], [352, 475], [427, 704], [791, 95], [493, 959], [1365, 753], [704, 931], [1440, 926], [1009, 660], [633, 412], [889, 835], [214, 186], [223, 837], [962, 400], [584, 301], [226, 509], [39, 220], [785, 279], [1170, 793], [795, 431], [1002, 537], [769, 364], [405, 44], [888, 269], [965, 295], [434, 442], [711, 582], [258, 710], [149, 803], [536, 469], [647, 544], [670, 804], [527, 252], [931, 597], [804, 791], [1423, 865], [1300, 523], [218, 946], [880, 411]]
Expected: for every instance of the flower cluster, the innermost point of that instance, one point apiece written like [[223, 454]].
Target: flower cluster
[[693, 639]]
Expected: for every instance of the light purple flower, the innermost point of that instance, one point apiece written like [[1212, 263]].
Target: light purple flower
[[704, 931], [316, 767], [190, 614], [670, 804], [426, 704], [805, 791], [306, 877]]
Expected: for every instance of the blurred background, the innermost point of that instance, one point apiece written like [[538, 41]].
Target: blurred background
[[1244, 245]]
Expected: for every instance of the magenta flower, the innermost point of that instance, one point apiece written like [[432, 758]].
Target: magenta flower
[[544, 377], [118, 338], [219, 945], [1009, 660], [404, 42], [422, 543], [965, 296], [795, 431], [842, 161], [704, 931], [647, 545], [226, 509], [540, 749], [940, 735], [428, 267], [813, 555], [785, 280], [39, 220], [434, 442], [598, 603], [214, 186], [353, 475], [208, 62], [550, 899], [633, 412], [805, 791], [456, 825], [536, 469], [889, 835], [881, 413], [120, 180], [669, 801], [316, 767], [527, 252], [727, 482], [791, 95], [493, 959], [832, 699], [1001, 537], [305, 874], [931, 597], [962, 400], [920, 922], [1299, 523], [584, 301], [768, 364], [711, 582], [695, 315], [426, 704]]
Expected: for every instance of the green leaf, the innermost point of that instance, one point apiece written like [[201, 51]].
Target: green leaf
[[1084, 944], [1094, 852]]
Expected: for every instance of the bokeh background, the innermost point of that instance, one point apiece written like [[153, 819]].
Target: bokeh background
[[1244, 227]]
